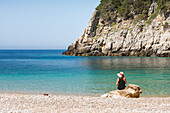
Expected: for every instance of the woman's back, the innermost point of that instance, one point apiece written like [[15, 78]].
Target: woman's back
[[121, 81], [121, 84]]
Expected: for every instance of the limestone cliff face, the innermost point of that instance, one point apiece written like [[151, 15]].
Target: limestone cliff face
[[124, 37]]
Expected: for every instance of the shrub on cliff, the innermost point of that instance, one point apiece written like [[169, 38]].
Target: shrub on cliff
[[128, 8]]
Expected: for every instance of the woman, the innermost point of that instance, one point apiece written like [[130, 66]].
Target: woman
[[121, 81]]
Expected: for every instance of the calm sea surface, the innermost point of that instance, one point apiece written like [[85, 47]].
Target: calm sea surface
[[47, 71]]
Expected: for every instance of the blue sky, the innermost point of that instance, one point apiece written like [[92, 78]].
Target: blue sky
[[43, 24]]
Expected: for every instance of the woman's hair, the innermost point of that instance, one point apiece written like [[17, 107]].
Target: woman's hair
[[122, 77]]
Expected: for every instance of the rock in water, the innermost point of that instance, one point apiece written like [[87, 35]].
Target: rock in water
[[131, 91]]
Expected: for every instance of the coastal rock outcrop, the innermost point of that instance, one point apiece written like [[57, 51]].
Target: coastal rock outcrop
[[125, 36], [131, 91]]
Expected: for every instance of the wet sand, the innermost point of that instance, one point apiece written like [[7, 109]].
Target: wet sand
[[76, 103]]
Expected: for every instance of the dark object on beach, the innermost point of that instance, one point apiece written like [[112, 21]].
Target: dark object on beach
[[45, 94]]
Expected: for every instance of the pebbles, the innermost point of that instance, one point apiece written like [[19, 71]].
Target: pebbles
[[71, 103]]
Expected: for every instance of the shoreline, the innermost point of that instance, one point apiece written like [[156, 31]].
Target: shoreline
[[71, 94], [74, 103], [84, 95], [68, 94]]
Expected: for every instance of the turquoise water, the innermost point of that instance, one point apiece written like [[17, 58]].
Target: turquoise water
[[47, 71]]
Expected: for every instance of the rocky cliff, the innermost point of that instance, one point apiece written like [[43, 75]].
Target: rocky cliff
[[125, 36]]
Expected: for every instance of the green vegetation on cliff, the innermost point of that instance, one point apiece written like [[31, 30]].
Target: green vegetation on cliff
[[129, 8]]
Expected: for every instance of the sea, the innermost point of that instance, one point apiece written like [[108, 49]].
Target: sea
[[48, 71]]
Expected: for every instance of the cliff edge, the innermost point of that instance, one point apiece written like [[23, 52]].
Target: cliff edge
[[126, 28]]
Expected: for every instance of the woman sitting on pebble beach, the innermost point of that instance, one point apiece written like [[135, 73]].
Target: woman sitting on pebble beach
[[121, 81]]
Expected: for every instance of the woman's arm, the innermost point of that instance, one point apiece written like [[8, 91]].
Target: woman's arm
[[117, 81], [125, 80]]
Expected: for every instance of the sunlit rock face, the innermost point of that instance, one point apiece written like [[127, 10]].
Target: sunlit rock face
[[131, 91], [126, 37]]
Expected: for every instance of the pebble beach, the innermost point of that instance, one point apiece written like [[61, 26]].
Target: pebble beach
[[33, 103]]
